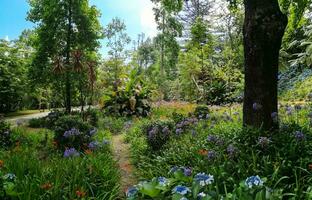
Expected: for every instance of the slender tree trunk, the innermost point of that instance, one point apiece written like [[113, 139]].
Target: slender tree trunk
[[162, 53], [263, 32], [68, 48]]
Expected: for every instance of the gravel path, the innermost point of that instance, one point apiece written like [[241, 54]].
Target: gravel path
[[19, 120]]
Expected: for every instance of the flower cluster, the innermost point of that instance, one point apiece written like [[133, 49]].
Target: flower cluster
[[183, 190], [71, 152], [184, 124], [185, 170], [204, 179], [231, 150], [132, 192], [72, 132], [215, 140], [162, 181], [253, 181], [264, 141]]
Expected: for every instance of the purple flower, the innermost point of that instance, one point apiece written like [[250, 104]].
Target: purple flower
[[212, 138], [93, 145], [187, 171], [231, 150], [72, 152], [179, 131], [274, 116], [93, 132], [72, 132], [289, 110], [264, 141], [212, 155], [256, 106], [165, 130], [299, 135]]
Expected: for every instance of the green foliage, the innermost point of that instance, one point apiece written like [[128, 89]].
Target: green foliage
[[201, 111], [72, 132], [5, 134]]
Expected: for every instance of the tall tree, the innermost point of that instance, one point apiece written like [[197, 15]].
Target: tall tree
[[264, 28], [118, 39], [62, 28]]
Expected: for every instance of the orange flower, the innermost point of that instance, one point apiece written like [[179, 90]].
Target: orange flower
[[80, 194], [1, 163], [203, 152], [310, 166], [88, 152], [46, 186], [55, 143]]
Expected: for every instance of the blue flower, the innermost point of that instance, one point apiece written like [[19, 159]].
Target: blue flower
[[179, 131], [264, 141], [187, 171], [299, 135], [201, 195], [163, 181], [9, 177], [165, 130], [93, 132], [93, 145], [72, 152], [131, 192], [212, 138], [253, 181], [212, 155], [204, 179], [231, 150], [71, 132], [181, 190]]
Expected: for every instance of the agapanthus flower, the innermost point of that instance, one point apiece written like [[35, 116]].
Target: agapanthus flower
[[274, 116], [204, 179], [131, 192], [256, 106], [212, 138], [179, 131], [187, 171], [231, 150], [72, 152], [71, 132], [163, 181], [299, 135], [181, 190], [201, 195], [264, 141], [93, 145], [165, 130], [253, 181], [9, 177], [211, 155], [92, 131], [105, 142], [152, 132], [289, 110]]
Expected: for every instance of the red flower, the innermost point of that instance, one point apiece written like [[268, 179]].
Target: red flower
[[46, 186], [80, 193], [203, 152]]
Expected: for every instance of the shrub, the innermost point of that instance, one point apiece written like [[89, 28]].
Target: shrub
[[5, 134], [92, 116], [37, 123], [158, 133], [202, 112], [72, 132]]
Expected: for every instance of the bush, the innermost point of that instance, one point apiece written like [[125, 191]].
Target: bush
[[72, 132], [5, 134], [158, 133], [92, 116], [37, 123], [202, 112]]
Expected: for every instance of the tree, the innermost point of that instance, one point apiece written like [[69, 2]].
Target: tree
[[118, 39], [264, 28], [63, 27]]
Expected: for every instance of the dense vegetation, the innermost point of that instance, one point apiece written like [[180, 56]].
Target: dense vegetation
[[218, 105]]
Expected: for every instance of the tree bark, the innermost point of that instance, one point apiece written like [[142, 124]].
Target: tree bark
[[68, 49], [264, 28]]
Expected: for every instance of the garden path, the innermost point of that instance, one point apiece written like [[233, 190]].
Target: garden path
[[122, 156]]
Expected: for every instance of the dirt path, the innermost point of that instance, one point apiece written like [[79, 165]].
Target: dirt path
[[122, 156]]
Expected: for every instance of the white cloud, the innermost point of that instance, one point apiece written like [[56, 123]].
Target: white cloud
[[147, 18], [6, 38]]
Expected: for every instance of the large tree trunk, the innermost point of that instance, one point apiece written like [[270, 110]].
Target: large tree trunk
[[68, 49], [263, 32]]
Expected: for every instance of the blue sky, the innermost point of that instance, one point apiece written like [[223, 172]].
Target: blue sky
[[137, 14]]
